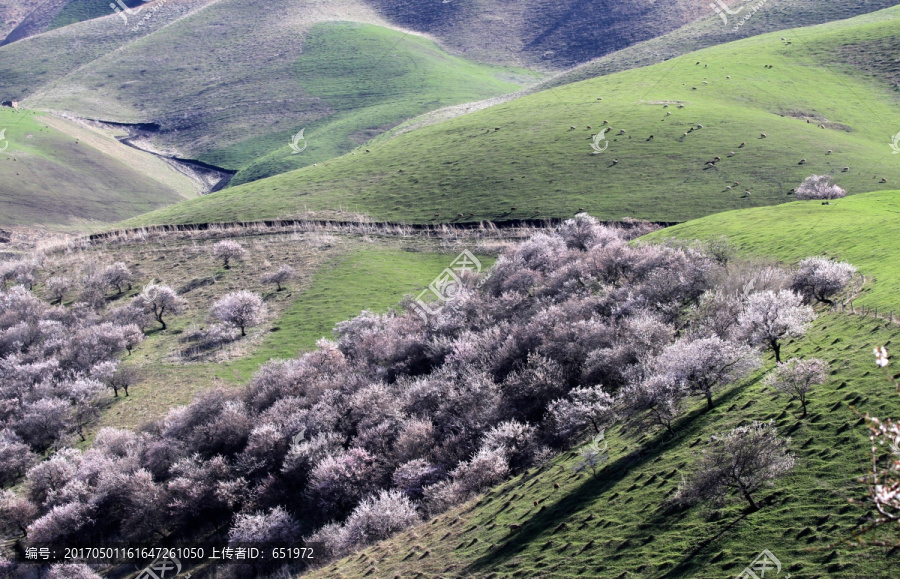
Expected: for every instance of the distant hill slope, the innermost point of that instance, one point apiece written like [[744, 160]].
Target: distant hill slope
[[521, 159], [13, 12], [230, 82], [862, 229], [781, 16], [56, 173]]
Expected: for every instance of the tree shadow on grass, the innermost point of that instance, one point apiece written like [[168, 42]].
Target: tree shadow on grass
[[548, 518]]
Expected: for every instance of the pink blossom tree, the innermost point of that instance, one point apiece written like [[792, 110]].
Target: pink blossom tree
[[706, 364], [819, 187], [228, 251], [279, 277], [160, 301], [797, 377], [242, 309], [819, 278], [770, 317], [740, 461]]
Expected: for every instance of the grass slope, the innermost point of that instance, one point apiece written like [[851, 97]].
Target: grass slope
[[336, 277], [57, 173], [784, 15], [228, 81], [523, 154], [613, 525], [368, 79], [862, 229]]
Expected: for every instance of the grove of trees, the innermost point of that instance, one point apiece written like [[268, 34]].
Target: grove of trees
[[401, 417]]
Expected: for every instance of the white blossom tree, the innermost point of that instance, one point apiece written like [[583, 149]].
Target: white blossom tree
[[242, 309], [884, 478], [706, 364], [796, 377], [279, 277], [660, 396], [159, 301], [118, 275], [228, 251], [819, 187], [740, 461], [584, 408], [770, 317], [819, 278]]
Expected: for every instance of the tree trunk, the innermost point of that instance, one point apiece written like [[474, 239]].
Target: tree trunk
[[777, 347], [709, 404], [243, 333], [753, 504], [163, 324]]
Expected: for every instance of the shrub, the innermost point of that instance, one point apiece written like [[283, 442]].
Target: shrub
[[276, 526], [377, 518]]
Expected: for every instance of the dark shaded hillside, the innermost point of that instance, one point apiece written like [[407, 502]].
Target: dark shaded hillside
[[710, 32], [553, 34]]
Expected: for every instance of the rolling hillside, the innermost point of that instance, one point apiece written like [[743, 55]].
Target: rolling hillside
[[55, 172], [861, 229], [552, 521], [784, 16], [274, 71], [532, 157], [616, 525]]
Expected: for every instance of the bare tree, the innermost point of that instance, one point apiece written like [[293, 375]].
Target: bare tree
[[770, 317], [242, 309], [742, 461], [796, 377], [159, 301], [228, 250], [280, 276], [707, 364], [821, 278], [819, 187]]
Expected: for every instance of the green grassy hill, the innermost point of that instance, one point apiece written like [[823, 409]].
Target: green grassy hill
[[862, 229], [524, 154], [230, 82], [614, 525], [336, 276], [366, 79], [54, 172], [617, 525], [784, 16]]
